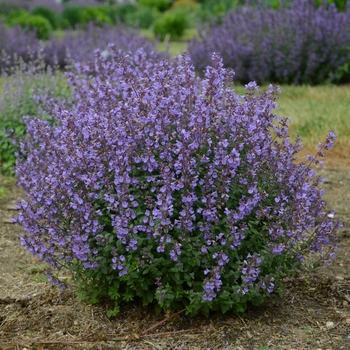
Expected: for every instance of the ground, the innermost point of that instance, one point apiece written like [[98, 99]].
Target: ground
[[314, 312]]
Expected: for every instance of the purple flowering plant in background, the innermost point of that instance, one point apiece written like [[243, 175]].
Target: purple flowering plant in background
[[25, 87], [171, 188], [299, 43], [79, 46], [75, 45], [32, 73], [16, 43]]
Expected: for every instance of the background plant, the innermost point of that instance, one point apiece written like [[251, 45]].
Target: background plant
[[143, 17], [16, 43], [72, 16], [173, 189], [23, 89], [97, 14], [160, 5], [79, 46], [52, 16], [340, 4], [37, 23], [298, 44], [215, 9], [172, 23]]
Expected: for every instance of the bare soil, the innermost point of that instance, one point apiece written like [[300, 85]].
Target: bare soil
[[313, 314]]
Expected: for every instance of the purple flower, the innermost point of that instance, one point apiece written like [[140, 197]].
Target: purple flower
[[151, 172]]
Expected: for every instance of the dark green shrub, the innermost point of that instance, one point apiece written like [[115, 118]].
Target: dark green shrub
[[160, 5], [34, 22], [72, 16], [143, 18], [111, 12], [49, 14], [215, 9], [121, 13], [173, 23], [96, 14], [340, 4]]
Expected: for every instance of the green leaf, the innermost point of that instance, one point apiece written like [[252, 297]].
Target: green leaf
[[128, 297], [205, 310], [149, 296], [113, 293], [113, 312]]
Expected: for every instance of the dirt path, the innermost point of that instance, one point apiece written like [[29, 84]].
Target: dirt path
[[314, 313]]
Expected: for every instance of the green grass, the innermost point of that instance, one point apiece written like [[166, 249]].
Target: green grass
[[315, 110], [190, 33], [175, 47]]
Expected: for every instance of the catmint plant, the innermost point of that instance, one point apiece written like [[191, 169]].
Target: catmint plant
[[15, 44], [80, 46], [162, 186], [296, 44], [27, 88]]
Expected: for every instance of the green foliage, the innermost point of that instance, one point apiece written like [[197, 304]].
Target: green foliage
[[49, 14], [274, 4], [173, 23], [340, 4], [72, 16], [34, 22], [143, 18], [189, 5], [215, 9], [3, 192], [96, 14], [342, 75], [123, 12], [160, 5]]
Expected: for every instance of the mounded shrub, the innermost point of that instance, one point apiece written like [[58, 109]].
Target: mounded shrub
[[173, 23], [160, 5], [38, 23], [171, 189], [215, 10], [72, 16], [52, 16], [96, 14], [122, 13], [143, 17], [298, 44]]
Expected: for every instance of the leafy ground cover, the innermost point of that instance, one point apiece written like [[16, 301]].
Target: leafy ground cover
[[313, 314]]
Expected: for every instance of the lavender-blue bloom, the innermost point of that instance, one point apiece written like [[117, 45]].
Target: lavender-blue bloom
[[159, 184], [298, 43]]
